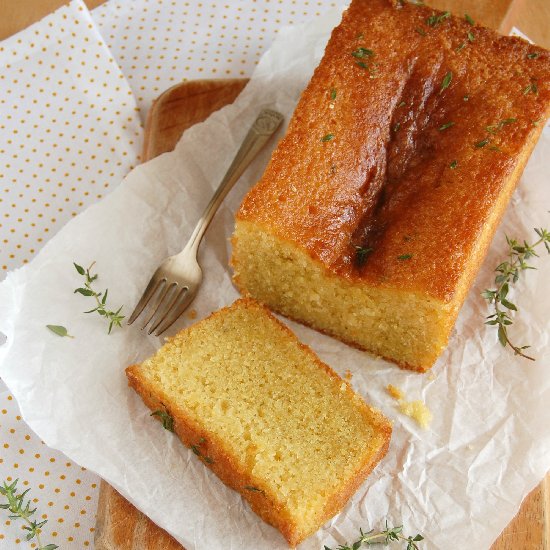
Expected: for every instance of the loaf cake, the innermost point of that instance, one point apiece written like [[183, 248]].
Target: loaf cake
[[377, 207], [265, 414]]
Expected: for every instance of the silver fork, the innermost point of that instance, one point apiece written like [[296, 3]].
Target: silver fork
[[176, 281]]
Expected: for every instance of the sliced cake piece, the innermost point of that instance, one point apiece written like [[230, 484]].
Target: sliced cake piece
[[266, 415], [376, 210]]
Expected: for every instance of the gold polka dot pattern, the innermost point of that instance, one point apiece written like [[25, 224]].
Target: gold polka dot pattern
[[159, 43], [69, 130]]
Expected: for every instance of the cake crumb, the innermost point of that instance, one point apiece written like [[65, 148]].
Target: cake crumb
[[395, 392], [348, 375], [418, 411], [192, 314]]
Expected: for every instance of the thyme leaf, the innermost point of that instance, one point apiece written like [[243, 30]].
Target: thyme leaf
[[196, 450], [59, 330], [435, 20], [482, 143], [361, 254], [531, 88], [166, 419], [360, 53], [446, 125], [328, 137], [253, 489], [494, 129], [446, 81], [364, 59]]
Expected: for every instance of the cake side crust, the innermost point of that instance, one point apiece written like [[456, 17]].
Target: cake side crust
[[407, 328]]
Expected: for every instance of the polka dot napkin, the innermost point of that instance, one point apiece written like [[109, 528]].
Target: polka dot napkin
[[158, 43], [69, 128], [75, 91]]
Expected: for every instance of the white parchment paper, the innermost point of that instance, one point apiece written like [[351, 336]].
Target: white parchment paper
[[488, 445]]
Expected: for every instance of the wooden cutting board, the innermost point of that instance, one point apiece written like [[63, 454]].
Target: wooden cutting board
[[120, 526]]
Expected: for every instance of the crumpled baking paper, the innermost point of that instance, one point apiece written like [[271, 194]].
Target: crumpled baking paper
[[488, 444]]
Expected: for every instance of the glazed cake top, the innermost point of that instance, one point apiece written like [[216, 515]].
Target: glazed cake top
[[402, 145]]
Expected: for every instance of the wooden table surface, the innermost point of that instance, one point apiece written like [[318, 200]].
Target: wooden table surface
[[530, 529]]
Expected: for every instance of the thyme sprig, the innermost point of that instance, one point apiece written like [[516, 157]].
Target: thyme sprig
[[21, 509], [113, 317], [508, 272], [390, 534]]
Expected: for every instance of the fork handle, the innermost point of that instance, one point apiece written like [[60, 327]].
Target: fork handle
[[263, 128]]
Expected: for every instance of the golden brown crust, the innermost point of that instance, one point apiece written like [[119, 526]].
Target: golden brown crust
[[212, 451], [385, 178]]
